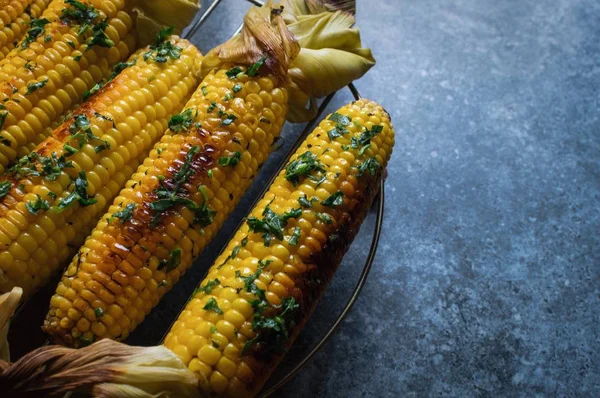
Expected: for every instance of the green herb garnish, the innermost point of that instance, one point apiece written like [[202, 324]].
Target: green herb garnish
[[208, 288], [370, 165], [5, 187], [272, 224], [231, 160], [162, 49], [212, 305], [37, 205], [304, 165], [33, 87], [183, 121], [124, 215], [172, 262], [79, 194], [334, 200]]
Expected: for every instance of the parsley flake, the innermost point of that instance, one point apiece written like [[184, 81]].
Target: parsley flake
[[334, 200], [212, 305]]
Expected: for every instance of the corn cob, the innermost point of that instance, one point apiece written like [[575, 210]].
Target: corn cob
[[262, 288], [46, 210], [209, 157], [66, 51], [15, 16]]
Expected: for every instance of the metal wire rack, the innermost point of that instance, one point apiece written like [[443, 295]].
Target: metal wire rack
[[275, 385]]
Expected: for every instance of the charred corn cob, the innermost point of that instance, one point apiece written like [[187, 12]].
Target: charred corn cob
[[262, 288], [175, 203], [15, 17], [55, 195], [71, 47]]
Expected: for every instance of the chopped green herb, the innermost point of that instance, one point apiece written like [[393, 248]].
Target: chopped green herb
[[253, 69], [51, 195], [334, 200], [244, 241], [5, 187], [185, 171], [172, 262], [233, 72], [211, 107], [304, 165], [212, 305], [272, 224], [208, 288], [99, 37], [70, 150], [118, 68], [183, 121], [37, 205], [326, 218], [229, 119], [33, 87], [209, 173], [231, 160], [204, 90], [237, 88], [162, 49], [82, 132], [305, 202], [99, 312], [228, 97], [71, 44], [124, 215], [233, 255], [163, 283], [295, 237], [36, 29], [273, 331], [339, 118], [79, 194], [370, 165], [51, 166]]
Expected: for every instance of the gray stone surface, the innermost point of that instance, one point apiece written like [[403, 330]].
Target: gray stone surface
[[487, 278]]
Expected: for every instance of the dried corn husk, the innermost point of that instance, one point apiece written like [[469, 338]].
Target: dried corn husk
[[8, 304], [103, 369], [314, 50], [152, 15]]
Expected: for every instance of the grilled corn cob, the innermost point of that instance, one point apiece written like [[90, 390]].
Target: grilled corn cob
[[71, 47], [55, 195], [177, 199], [262, 288], [15, 16]]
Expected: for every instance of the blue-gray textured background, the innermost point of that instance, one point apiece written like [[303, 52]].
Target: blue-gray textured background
[[487, 279]]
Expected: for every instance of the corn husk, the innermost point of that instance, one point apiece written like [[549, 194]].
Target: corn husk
[[312, 46], [103, 369], [152, 15], [8, 305]]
